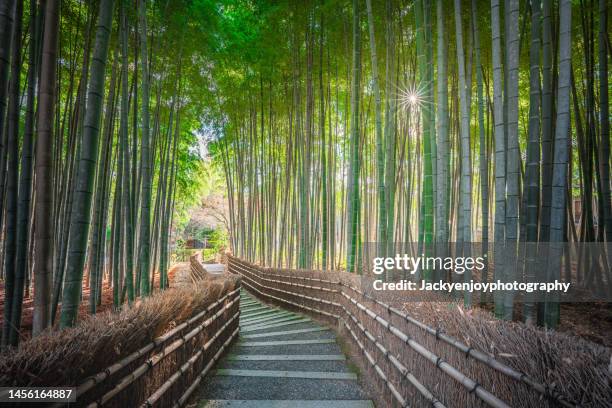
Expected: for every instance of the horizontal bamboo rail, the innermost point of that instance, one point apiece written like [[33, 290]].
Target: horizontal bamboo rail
[[471, 385], [310, 309], [381, 374], [254, 276]]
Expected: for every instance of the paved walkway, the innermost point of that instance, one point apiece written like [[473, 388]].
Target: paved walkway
[[282, 360]]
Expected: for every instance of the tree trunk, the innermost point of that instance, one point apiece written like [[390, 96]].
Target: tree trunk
[[96, 252], [466, 167], [353, 186], [442, 130], [12, 288], [43, 224], [390, 129], [80, 219], [547, 120], [324, 161], [513, 153], [483, 152], [532, 173], [6, 35], [381, 231], [561, 158], [426, 222], [25, 179], [604, 117], [144, 258], [500, 152], [125, 151]]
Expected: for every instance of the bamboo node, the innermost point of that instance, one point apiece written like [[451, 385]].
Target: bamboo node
[[438, 331], [439, 361], [476, 385]]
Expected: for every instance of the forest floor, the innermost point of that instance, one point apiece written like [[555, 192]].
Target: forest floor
[[591, 321], [177, 270]]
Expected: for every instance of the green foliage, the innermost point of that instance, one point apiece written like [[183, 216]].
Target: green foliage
[[218, 239]]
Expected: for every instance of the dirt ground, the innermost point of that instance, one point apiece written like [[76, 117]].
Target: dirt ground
[[591, 321]]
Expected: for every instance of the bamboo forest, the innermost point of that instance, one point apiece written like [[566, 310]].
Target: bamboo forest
[[142, 141]]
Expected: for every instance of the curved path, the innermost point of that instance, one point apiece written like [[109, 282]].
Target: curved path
[[282, 360]]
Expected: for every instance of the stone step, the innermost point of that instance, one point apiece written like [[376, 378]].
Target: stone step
[[287, 357], [329, 348], [224, 387], [282, 359], [337, 366], [284, 333], [285, 343], [244, 315], [286, 404], [270, 320], [253, 308], [312, 375], [265, 318], [273, 325]]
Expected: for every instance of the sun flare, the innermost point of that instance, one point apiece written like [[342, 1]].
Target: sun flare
[[410, 97]]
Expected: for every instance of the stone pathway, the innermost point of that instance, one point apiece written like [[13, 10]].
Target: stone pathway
[[282, 360]]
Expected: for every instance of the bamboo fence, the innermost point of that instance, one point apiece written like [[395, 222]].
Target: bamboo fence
[[408, 362], [197, 271], [167, 371]]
